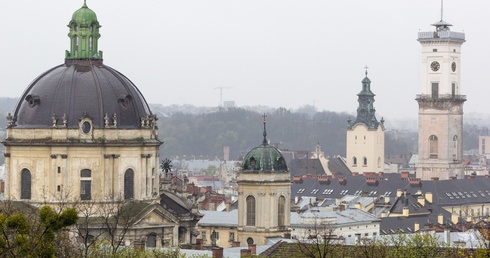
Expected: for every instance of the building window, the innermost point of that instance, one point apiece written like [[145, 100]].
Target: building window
[[203, 235], [85, 184], [455, 148], [250, 241], [75, 42], [435, 90], [281, 211], [25, 184], [379, 162], [90, 42], [453, 89], [364, 161], [433, 148], [129, 184], [250, 211], [354, 161], [232, 237]]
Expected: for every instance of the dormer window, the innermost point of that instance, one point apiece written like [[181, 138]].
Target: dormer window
[[91, 28], [252, 162], [75, 28]]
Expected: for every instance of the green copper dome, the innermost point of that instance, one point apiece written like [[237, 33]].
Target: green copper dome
[[264, 158], [84, 35], [84, 16]]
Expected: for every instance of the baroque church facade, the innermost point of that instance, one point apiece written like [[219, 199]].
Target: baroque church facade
[[365, 135], [82, 132], [440, 104]]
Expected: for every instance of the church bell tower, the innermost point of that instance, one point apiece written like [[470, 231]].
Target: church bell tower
[[440, 104]]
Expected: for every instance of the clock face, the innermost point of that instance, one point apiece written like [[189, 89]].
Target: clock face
[[435, 66], [453, 67]]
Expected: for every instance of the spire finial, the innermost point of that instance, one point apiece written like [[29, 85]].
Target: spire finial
[[366, 70], [442, 10], [264, 142], [84, 3]]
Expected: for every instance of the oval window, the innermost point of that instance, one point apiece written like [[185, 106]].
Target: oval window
[[86, 126]]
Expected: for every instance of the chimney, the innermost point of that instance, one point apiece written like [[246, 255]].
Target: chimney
[[358, 205], [387, 200], [399, 193], [383, 214], [421, 200], [381, 174], [245, 253], [454, 218], [405, 174], [228, 206], [236, 244], [405, 211], [217, 252], [416, 227], [253, 249], [200, 243], [440, 219], [428, 196]]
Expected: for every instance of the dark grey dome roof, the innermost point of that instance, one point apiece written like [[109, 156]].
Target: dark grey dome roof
[[81, 87]]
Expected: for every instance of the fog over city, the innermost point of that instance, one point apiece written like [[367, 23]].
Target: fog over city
[[279, 53]]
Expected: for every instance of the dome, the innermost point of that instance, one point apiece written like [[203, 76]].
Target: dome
[[84, 16], [81, 88], [264, 158]]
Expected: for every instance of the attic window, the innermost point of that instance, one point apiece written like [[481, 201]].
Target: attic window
[[252, 162], [125, 100], [33, 100]]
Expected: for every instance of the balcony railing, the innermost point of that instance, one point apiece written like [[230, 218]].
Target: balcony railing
[[447, 34], [441, 97]]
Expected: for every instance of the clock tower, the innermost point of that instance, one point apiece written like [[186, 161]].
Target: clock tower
[[440, 104]]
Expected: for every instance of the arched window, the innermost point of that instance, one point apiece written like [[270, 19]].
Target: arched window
[[364, 161], [85, 184], [354, 161], [25, 184], [455, 148], [252, 162], [281, 211], [379, 161], [90, 43], [250, 211], [75, 42], [129, 184], [433, 147]]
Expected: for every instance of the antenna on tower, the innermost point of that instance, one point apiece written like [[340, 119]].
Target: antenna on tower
[[442, 10], [221, 94]]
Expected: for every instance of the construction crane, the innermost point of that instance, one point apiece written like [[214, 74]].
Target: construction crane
[[221, 94]]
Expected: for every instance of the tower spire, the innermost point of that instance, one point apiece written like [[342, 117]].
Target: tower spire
[[442, 10], [264, 142]]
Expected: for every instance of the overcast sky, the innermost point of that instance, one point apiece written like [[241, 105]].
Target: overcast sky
[[269, 52]]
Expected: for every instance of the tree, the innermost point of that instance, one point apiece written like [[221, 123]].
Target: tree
[[28, 231]]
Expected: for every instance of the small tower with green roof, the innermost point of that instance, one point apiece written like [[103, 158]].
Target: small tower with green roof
[[264, 191], [84, 35], [365, 134]]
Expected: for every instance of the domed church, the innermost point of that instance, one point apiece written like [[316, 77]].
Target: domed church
[[264, 190], [82, 131], [82, 127]]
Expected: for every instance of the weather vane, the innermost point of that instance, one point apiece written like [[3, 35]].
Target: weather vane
[[366, 68]]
